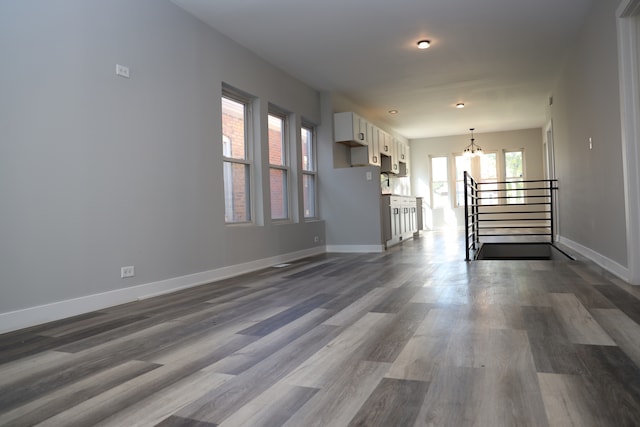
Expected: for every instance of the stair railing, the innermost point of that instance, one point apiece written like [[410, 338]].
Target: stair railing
[[513, 210]]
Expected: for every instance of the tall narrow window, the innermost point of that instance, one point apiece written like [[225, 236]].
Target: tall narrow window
[[489, 177], [236, 160], [514, 176], [308, 171], [439, 183], [463, 163], [278, 167]]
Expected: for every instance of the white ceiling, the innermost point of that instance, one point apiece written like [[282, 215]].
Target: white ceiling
[[499, 57]]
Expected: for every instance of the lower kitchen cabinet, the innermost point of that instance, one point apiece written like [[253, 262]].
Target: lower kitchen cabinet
[[399, 218]]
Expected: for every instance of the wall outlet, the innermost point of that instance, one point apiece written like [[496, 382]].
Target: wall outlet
[[127, 271], [316, 239], [122, 70]]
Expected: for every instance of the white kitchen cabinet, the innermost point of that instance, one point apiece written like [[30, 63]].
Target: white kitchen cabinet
[[399, 218], [402, 151], [351, 129], [385, 143], [369, 144], [367, 154], [405, 161], [374, 151], [395, 158], [389, 161]]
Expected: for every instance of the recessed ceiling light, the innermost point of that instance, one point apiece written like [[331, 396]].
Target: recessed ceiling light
[[460, 105], [424, 44], [393, 111]]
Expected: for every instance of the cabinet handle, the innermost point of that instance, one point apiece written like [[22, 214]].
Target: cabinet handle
[[375, 159], [361, 135], [403, 157], [386, 148]]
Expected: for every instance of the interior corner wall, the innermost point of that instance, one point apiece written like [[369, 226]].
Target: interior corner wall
[[99, 171], [587, 106]]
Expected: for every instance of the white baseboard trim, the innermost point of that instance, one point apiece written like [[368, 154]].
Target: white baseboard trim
[[355, 248], [18, 319], [608, 264]]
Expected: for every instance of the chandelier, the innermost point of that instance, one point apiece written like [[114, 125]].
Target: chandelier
[[472, 149]]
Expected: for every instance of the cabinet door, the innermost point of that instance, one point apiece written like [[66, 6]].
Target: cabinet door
[[350, 128], [405, 221], [407, 151], [395, 167], [414, 219], [396, 222], [364, 129], [403, 152], [374, 146], [385, 144]]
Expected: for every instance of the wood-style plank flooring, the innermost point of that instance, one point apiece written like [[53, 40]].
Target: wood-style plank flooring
[[411, 337]]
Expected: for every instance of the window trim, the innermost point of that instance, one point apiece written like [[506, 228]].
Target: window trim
[[285, 167], [504, 170], [313, 172], [248, 161]]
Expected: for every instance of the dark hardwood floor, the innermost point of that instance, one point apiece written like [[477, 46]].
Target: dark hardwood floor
[[413, 336]]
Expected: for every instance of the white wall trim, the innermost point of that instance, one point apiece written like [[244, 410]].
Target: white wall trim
[[608, 264], [629, 68], [355, 248], [31, 316]]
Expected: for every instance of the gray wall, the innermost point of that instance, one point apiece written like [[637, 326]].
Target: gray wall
[[99, 172], [349, 203], [586, 104], [422, 150]]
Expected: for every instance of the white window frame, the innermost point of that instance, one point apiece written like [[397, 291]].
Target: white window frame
[[247, 161], [312, 172], [507, 178], [285, 167]]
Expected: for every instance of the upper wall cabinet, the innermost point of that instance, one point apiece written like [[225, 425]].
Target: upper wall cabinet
[[351, 129], [403, 158], [404, 164], [385, 144], [369, 154], [370, 145], [390, 156], [403, 148]]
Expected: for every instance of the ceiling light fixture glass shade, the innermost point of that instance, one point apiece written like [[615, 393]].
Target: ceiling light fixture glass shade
[[460, 105], [424, 44], [472, 149]]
